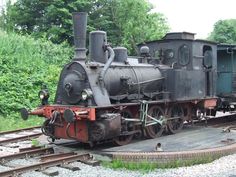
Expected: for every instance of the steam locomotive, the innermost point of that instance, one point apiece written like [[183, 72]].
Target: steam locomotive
[[109, 96]]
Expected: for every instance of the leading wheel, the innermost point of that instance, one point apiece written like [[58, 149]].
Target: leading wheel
[[126, 128], [155, 130], [176, 120]]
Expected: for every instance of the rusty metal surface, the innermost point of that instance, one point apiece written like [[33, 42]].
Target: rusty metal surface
[[25, 137], [29, 148], [43, 165], [18, 130], [164, 157], [55, 156], [27, 154]]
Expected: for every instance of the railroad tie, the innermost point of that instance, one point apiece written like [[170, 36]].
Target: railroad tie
[[70, 167], [50, 172]]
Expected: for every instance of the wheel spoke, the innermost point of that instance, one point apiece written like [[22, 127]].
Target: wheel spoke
[[155, 130], [175, 125]]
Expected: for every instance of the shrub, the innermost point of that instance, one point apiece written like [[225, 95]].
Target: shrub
[[25, 64]]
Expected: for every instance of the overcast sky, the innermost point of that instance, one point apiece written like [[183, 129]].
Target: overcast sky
[[197, 16], [1, 3]]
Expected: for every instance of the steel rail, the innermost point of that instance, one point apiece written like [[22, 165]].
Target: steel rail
[[29, 148], [19, 130], [29, 153], [16, 139], [229, 123], [43, 165], [217, 122], [56, 156]]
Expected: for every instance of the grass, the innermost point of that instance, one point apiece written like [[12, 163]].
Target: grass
[[35, 143], [148, 166], [15, 122], [134, 166]]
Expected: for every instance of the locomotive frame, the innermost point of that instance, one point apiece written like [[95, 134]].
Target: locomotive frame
[[113, 97]]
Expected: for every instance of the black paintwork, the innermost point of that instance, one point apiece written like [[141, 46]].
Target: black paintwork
[[176, 66], [193, 65]]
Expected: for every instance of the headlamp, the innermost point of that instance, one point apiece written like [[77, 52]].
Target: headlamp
[[86, 93], [43, 96]]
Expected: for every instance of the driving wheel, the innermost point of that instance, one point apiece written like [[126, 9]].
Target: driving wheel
[[155, 130], [176, 120]]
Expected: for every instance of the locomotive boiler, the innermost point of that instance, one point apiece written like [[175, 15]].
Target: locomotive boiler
[[109, 96]]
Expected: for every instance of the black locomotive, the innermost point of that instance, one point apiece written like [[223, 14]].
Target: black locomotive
[[110, 96]]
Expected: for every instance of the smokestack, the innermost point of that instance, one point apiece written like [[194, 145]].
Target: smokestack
[[80, 26]]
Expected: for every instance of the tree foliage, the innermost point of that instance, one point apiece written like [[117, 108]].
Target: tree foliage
[[135, 23], [127, 22], [25, 64], [224, 31]]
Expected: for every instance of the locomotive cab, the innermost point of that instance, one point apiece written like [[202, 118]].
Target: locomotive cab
[[192, 73]]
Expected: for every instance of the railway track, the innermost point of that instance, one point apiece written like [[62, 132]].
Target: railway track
[[19, 130], [19, 135], [61, 160], [45, 159], [42, 157], [227, 121], [28, 153]]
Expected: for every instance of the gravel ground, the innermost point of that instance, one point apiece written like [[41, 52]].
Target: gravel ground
[[13, 147], [21, 162], [223, 167]]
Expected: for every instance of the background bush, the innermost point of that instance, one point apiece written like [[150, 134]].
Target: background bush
[[25, 64]]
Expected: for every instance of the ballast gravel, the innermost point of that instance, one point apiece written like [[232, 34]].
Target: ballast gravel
[[223, 167]]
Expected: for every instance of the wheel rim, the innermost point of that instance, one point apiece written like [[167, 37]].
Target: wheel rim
[[156, 130], [125, 139], [175, 125]]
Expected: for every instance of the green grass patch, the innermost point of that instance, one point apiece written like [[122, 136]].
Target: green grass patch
[[150, 166], [15, 122], [35, 143], [134, 166]]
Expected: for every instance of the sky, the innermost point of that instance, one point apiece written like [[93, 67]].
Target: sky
[[2, 2], [196, 16]]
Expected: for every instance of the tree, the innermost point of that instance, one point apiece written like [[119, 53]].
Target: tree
[[127, 22], [49, 19], [135, 23], [224, 31], [25, 64]]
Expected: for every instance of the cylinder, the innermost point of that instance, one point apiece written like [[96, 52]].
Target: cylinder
[[80, 27], [97, 42], [120, 54]]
